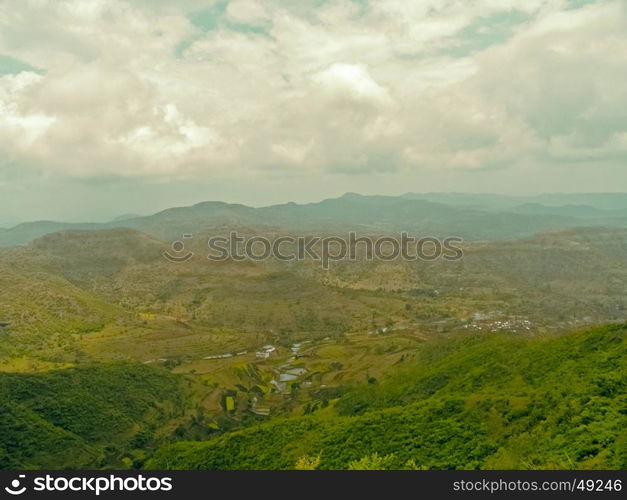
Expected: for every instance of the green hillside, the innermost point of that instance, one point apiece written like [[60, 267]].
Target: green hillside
[[488, 401], [475, 367], [84, 417]]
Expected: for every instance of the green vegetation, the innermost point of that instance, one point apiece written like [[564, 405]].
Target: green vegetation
[[483, 401], [110, 355], [92, 416]]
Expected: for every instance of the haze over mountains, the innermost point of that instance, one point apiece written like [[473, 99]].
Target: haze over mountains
[[471, 216]]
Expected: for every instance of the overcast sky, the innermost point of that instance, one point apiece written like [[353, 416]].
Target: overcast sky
[[111, 106]]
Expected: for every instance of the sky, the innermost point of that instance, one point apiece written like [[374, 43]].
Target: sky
[[131, 106]]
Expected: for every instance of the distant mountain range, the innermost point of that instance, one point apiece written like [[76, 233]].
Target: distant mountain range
[[471, 216]]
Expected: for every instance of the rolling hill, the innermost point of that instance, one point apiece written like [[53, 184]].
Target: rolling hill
[[86, 417], [485, 402], [443, 364]]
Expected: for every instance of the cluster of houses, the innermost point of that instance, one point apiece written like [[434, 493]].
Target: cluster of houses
[[265, 352], [226, 355], [219, 356], [482, 322], [380, 331], [259, 409], [286, 378]]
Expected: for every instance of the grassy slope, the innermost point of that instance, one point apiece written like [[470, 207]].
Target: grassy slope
[[83, 417], [489, 401]]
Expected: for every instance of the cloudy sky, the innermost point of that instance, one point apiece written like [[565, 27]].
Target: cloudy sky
[[114, 106]]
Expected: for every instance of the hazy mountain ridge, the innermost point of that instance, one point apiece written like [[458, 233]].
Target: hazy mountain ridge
[[607, 201], [470, 216]]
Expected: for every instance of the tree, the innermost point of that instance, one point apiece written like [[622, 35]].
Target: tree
[[308, 463], [372, 462]]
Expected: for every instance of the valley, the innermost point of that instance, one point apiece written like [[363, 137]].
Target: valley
[[246, 344]]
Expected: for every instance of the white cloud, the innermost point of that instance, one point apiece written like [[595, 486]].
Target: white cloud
[[352, 82], [294, 152], [135, 89], [174, 135], [20, 127], [247, 12]]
